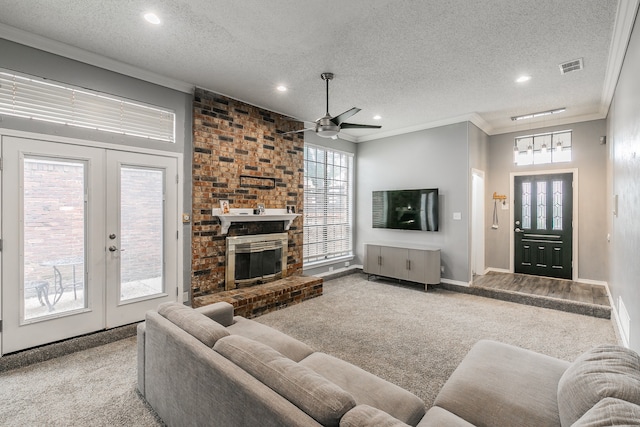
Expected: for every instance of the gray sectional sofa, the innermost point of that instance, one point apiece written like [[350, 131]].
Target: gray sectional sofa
[[206, 367]]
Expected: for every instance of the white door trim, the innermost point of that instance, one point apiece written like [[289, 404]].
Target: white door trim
[[574, 248], [478, 263]]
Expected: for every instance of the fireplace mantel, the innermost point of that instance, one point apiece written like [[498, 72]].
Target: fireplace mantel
[[246, 215]]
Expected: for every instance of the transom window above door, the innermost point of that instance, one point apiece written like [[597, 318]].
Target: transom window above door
[[35, 98], [553, 147]]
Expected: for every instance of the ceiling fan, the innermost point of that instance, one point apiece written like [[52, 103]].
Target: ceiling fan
[[329, 127]]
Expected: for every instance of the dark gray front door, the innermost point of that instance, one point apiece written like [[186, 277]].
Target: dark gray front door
[[543, 226]]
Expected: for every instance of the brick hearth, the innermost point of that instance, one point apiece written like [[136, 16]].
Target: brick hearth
[[260, 299]]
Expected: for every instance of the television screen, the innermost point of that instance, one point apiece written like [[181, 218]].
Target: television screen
[[406, 209]]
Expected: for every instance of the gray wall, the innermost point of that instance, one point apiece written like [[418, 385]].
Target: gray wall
[[35, 62], [430, 158], [589, 157], [624, 169]]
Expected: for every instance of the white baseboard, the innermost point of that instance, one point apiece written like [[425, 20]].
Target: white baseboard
[[593, 282], [455, 282], [338, 270], [615, 319], [497, 270]]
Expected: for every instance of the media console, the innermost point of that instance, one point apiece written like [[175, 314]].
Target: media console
[[412, 263]]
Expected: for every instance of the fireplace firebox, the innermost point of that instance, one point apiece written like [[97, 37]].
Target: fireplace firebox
[[255, 259]]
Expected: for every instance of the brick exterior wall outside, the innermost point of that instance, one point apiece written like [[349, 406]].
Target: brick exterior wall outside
[[54, 222], [238, 151]]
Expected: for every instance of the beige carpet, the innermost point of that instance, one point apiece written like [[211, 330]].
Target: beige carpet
[[412, 338]]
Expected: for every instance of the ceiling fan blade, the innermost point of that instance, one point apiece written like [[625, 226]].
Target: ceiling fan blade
[[295, 131], [357, 126], [344, 116]]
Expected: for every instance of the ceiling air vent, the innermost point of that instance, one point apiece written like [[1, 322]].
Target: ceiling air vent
[[570, 66]]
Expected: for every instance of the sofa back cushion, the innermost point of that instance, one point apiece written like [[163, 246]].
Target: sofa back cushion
[[318, 397], [610, 412], [200, 326], [368, 416], [604, 371]]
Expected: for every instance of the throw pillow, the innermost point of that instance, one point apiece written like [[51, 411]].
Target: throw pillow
[[604, 371], [318, 397]]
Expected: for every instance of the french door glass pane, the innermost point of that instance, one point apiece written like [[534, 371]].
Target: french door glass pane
[[54, 220], [141, 228]]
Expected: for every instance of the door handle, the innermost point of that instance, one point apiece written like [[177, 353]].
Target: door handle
[[114, 249], [517, 230]]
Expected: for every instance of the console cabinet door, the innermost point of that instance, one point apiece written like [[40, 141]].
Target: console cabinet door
[[393, 262], [372, 260], [416, 266]]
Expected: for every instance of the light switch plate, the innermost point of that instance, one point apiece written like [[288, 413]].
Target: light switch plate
[[457, 216]]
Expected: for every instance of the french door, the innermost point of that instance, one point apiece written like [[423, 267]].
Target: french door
[[89, 239], [543, 229]]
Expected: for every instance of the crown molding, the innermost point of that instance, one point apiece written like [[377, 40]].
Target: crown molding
[[548, 123], [61, 49], [623, 26], [474, 118]]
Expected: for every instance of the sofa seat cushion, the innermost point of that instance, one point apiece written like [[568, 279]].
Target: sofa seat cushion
[[368, 416], [197, 324], [610, 412], [604, 371], [503, 385], [438, 417], [368, 389], [315, 395], [283, 343]]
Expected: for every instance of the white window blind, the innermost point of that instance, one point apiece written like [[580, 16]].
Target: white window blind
[[46, 100], [328, 204]]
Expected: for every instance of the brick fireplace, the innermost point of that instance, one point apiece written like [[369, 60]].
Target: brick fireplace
[[240, 155]]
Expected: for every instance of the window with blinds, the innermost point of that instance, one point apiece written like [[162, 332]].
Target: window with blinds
[[38, 99], [328, 204]]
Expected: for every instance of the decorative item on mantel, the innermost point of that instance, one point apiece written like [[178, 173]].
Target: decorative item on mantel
[[224, 207], [247, 215]]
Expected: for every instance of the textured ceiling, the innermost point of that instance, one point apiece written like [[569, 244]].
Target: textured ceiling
[[415, 63]]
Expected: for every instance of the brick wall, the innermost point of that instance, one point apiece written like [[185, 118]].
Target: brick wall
[[240, 155]]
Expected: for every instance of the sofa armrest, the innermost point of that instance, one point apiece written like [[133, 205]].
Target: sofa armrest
[[221, 312], [141, 330]]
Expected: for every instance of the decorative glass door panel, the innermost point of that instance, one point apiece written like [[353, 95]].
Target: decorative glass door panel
[[543, 229]]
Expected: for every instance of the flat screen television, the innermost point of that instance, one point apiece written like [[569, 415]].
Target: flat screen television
[[406, 209]]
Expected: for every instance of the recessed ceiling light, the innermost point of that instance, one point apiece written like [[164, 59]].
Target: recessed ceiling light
[[152, 18], [281, 88], [523, 79], [377, 117]]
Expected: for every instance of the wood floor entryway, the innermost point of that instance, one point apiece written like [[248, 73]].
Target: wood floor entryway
[[546, 292]]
